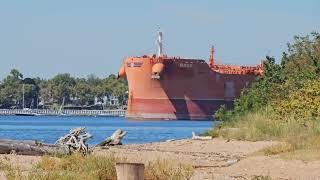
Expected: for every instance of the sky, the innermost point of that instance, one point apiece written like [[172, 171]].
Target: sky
[[46, 37]]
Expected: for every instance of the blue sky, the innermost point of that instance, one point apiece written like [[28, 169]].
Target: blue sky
[[43, 38]]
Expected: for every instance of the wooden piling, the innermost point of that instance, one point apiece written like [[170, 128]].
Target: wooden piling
[[130, 171]]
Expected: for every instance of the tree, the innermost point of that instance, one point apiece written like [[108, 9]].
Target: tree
[[84, 92], [45, 92], [11, 89], [62, 87]]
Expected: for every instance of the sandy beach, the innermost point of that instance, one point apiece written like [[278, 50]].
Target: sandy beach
[[212, 159], [221, 159]]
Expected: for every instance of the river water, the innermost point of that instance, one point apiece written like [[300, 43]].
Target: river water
[[49, 128]]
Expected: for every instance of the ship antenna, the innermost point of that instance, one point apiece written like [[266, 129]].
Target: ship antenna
[[211, 59], [159, 43]]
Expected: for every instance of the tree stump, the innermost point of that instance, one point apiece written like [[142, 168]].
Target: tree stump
[[130, 171]]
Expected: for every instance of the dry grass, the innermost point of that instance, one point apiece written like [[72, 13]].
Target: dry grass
[[309, 154], [296, 136], [278, 148], [92, 167], [11, 172], [252, 126], [159, 170], [261, 178]]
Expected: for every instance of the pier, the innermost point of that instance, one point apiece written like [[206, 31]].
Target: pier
[[67, 112]]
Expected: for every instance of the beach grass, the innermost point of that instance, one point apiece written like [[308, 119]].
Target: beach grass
[[163, 169], [91, 167], [293, 136]]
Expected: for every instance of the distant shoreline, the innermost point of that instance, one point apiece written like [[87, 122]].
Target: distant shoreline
[[67, 112]]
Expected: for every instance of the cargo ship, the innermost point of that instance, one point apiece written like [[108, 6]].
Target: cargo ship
[[161, 87]]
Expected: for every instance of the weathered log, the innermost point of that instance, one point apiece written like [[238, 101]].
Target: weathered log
[[29, 147], [114, 139]]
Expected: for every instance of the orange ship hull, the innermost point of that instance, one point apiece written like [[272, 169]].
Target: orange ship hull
[[172, 109], [168, 88]]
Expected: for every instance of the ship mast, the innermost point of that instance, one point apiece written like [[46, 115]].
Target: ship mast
[[159, 43], [211, 58]]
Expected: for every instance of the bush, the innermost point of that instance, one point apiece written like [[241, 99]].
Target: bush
[[302, 105], [290, 88], [283, 104]]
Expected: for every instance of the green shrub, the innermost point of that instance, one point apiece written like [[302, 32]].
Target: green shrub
[[283, 104], [290, 88]]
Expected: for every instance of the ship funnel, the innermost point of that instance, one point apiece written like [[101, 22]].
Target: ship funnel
[[159, 43]]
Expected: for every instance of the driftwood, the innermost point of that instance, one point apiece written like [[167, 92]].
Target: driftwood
[[30, 148], [114, 139], [75, 141], [195, 137]]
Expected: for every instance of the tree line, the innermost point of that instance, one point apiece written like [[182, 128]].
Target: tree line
[[18, 92]]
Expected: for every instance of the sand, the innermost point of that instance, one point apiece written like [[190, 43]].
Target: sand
[[221, 159], [212, 159]]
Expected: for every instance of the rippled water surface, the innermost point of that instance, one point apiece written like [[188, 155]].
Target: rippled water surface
[[49, 128]]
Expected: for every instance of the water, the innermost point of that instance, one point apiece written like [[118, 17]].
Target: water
[[49, 128]]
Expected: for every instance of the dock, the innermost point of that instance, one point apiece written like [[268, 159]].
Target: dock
[[67, 112]]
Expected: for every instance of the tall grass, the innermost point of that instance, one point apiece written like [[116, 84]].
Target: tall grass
[[92, 167], [75, 166], [162, 169], [294, 135]]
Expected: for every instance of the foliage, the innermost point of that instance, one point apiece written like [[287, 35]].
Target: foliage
[[84, 91], [302, 104], [10, 89], [283, 85], [61, 88], [283, 104]]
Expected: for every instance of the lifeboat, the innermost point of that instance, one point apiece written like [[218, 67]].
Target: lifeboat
[[122, 72]]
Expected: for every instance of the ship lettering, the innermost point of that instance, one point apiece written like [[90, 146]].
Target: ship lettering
[[134, 64]]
